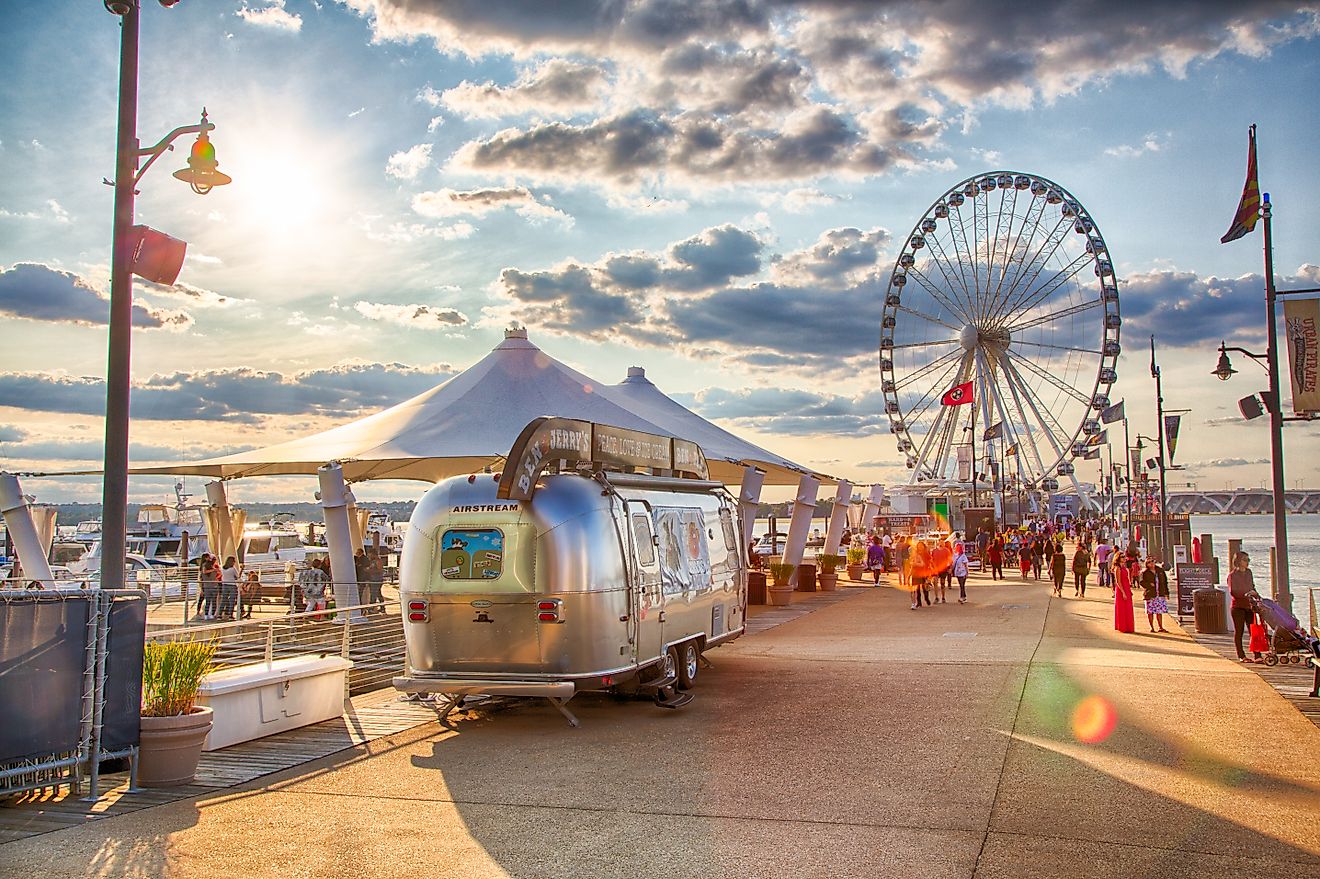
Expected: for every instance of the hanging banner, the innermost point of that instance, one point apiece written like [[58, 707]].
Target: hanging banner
[[1301, 328], [964, 463], [1171, 423], [1136, 462]]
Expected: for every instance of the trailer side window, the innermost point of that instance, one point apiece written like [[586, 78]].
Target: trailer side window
[[730, 536], [472, 554], [645, 542]]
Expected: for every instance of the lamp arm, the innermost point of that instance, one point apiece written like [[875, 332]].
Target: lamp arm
[[167, 143], [1256, 357]]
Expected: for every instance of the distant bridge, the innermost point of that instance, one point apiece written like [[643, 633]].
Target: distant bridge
[[1245, 500]]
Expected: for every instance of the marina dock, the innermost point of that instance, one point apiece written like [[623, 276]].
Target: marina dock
[[1016, 736]]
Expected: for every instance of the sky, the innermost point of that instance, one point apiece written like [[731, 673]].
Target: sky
[[715, 191]]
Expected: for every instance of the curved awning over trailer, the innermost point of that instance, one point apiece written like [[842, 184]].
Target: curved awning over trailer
[[472, 420]]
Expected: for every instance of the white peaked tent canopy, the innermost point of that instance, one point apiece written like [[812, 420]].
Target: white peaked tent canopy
[[470, 421], [726, 454]]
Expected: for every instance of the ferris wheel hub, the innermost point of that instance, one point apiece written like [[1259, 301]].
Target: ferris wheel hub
[[992, 341]]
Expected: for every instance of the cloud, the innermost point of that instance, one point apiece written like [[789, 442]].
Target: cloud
[[687, 146], [237, 395], [819, 310], [1151, 143], [794, 90], [1229, 462], [443, 203], [89, 450], [419, 316], [557, 86], [199, 297], [800, 200], [273, 15], [407, 164], [54, 213], [1185, 309], [38, 292], [792, 411], [11, 434]]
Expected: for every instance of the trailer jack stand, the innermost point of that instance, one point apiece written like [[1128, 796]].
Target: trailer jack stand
[[562, 709]]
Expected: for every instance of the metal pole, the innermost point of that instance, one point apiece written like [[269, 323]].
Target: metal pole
[[1159, 416], [114, 491], [1127, 467], [1283, 592]]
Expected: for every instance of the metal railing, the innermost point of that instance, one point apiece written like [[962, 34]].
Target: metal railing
[[369, 635]]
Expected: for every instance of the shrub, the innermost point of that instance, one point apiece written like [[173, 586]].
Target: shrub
[[856, 555], [782, 573], [171, 675], [828, 563]]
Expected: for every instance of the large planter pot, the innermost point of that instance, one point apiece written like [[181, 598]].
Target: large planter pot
[[855, 572], [806, 577], [171, 747], [780, 596], [828, 582], [756, 587]]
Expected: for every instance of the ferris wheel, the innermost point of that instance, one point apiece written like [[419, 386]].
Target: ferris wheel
[[1000, 334]]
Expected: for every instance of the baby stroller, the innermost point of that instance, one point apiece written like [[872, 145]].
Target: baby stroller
[[1289, 641]]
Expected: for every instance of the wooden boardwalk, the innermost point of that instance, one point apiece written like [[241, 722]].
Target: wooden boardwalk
[[763, 616], [1293, 682], [369, 716]]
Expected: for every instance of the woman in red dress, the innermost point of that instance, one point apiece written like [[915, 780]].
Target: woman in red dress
[[1124, 619]]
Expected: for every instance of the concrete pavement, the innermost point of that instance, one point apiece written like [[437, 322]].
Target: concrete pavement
[[864, 739]]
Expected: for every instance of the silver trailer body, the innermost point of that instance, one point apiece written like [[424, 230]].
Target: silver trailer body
[[592, 584]]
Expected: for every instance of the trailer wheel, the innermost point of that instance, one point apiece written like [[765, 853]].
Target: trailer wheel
[[689, 660]]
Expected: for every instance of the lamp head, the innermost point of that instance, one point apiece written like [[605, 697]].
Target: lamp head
[[202, 172], [118, 7], [1224, 370]]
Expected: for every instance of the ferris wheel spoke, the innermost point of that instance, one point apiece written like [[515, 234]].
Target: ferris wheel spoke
[[1053, 316], [908, 345], [1057, 280], [936, 293], [924, 370], [1026, 425], [1057, 441], [940, 428], [959, 234], [1054, 380], [1024, 279], [1036, 210], [1095, 351], [920, 407], [945, 265], [928, 317]]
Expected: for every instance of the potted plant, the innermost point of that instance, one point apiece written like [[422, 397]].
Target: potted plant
[[781, 591], [173, 729], [828, 577], [856, 562]]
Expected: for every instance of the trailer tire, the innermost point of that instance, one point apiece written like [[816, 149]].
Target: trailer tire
[[689, 661]]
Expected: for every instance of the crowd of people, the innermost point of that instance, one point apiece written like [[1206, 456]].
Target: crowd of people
[[227, 593], [927, 567]]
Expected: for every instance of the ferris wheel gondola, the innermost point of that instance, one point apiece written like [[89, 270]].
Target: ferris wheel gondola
[[1007, 283]]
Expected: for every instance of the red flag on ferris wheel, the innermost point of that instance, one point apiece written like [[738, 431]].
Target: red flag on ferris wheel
[[958, 395]]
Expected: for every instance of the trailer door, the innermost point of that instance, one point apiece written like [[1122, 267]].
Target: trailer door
[[647, 597]]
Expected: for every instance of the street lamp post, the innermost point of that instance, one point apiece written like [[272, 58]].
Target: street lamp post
[[202, 175]]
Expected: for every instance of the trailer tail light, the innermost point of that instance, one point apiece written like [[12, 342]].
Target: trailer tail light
[[419, 612], [548, 611]]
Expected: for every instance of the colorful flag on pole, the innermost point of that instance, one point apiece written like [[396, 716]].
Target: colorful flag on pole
[[1011, 450], [1092, 455], [1135, 468], [1098, 439], [1171, 425], [1249, 207], [994, 431], [1113, 413], [958, 395]]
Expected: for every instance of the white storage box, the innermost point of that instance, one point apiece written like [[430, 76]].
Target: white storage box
[[251, 701]]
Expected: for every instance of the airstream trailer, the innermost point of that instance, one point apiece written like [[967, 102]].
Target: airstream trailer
[[613, 570]]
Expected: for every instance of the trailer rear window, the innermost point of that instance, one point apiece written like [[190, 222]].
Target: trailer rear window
[[472, 554]]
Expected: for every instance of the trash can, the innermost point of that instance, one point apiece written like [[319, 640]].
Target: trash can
[[806, 577], [1208, 611], [756, 587]]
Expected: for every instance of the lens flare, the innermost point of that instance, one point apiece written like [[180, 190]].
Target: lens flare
[[1093, 720]]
